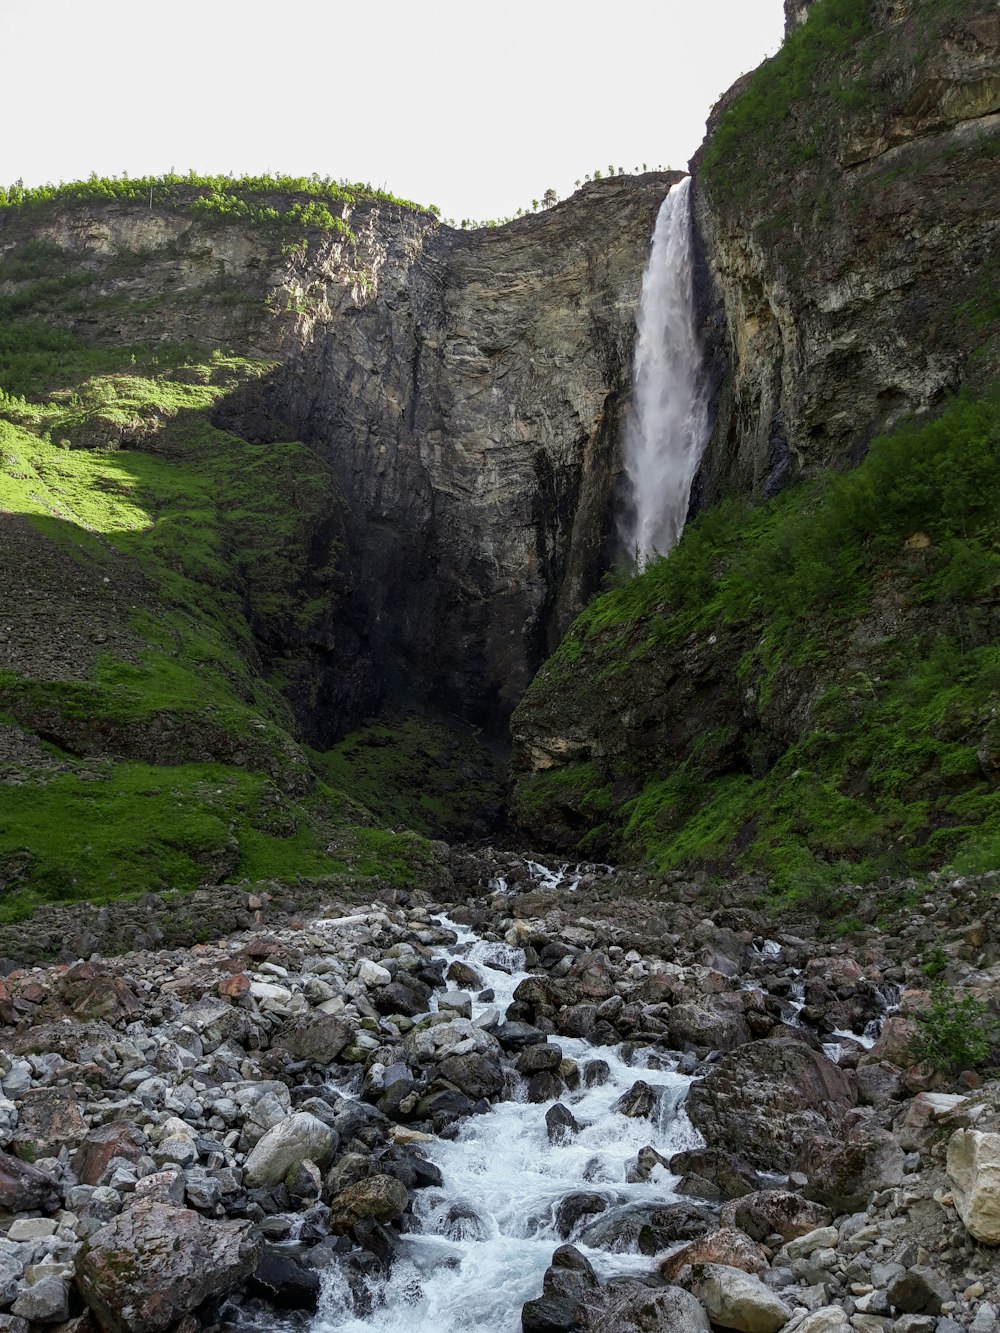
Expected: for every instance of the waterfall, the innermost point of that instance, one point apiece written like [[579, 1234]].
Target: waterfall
[[668, 426]]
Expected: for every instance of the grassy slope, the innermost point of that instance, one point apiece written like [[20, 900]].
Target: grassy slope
[[180, 764], [859, 749]]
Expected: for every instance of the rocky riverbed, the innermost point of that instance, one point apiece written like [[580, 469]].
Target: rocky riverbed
[[668, 1112]]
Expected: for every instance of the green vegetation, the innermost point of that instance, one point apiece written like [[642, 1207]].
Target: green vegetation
[[165, 754], [412, 772], [956, 1034], [261, 200], [863, 607]]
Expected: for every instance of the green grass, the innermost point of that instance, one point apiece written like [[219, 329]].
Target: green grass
[[884, 772], [262, 201], [112, 457]]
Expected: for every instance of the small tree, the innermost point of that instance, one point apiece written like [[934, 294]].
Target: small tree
[[549, 198], [534, 204]]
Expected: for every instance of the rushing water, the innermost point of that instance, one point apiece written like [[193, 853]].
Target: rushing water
[[487, 1236], [668, 427]]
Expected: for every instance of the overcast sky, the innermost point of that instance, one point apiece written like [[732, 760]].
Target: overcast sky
[[476, 107]]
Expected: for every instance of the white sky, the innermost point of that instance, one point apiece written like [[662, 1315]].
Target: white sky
[[477, 107]]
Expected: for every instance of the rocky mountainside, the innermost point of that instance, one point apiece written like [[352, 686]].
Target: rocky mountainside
[[809, 686], [264, 477]]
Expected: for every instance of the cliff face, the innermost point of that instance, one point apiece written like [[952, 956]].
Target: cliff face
[[464, 388], [846, 196], [810, 678]]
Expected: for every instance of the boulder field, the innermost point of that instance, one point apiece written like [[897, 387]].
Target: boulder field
[[187, 1134]]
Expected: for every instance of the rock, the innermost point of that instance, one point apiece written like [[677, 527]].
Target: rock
[[550, 1314], [284, 1282], [763, 1100], [118, 1138], [560, 1123], [920, 1291], [710, 1173], [25, 1189], [286, 1144], [974, 1169], [155, 1263], [373, 974], [455, 1002], [648, 1228], [879, 1084], [774, 1212], [734, 1299], [515, 1037], [464, 976], [573, 1208], [474, 1074], [633, 1307], [47, 1302], [536, 1059], [403, 995], [640, 1100], [319, 1038], [48, 1119], [844, 1174], [380, 1198], [830, 1319], [823, 1238], [715, 1021], [727, 1246]]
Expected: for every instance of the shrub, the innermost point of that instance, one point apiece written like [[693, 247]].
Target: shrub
[[956, 1033]]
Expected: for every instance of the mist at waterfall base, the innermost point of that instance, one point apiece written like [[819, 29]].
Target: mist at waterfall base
[[667, 428]]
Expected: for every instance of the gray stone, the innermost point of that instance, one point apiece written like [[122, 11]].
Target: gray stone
[[738, 1300], [47, 1302], [286, 1144]]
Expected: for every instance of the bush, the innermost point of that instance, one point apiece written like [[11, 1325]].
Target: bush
[[956, 1033]]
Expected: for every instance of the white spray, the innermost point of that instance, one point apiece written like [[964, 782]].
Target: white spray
[[668, 426]]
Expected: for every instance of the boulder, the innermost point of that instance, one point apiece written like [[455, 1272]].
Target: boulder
[[319, 1038], [48, 1119], [830, 1319], [25, 1189], [379, 1198], [474, 1074], [293, 1140], [774, 1212], [560, 1124], [633, 1307], [648, 1228], [921, 1290], [284, 1281], [727, 1246], [640, 1101], [155, 1263], [575, 1207], [844, 1174], [715, 1021], [765, 1099], [44, 1302], [119, 1138], [974, 1169], [734, 1299], [710, 1173]]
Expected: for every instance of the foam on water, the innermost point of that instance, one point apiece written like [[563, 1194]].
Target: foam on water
[[487, 1236]]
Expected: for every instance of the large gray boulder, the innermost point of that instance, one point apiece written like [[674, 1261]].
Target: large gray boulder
[[738, 1300], [296, 1139], [974, 1168], [155, 1263]]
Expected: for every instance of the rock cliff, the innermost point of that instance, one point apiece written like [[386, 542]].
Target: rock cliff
[[847, 202]]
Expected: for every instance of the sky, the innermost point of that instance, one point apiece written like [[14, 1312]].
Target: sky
[[477, 108]]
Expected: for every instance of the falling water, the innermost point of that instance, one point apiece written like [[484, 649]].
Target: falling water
[[668, 427]]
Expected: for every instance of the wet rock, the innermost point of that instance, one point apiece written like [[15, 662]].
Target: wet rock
[[550, 1314], [648, 1228], [710, 1173], [574, 1208], [560, 1123], [474, 1074], [738, 1300], [763, 1100], [544, 1086], [284, 1282], [404, 995], [465, 976], [726, 1246], [570, 1275], [974, 1169], [775, 1212], [155, 1263], [25, 1189], [380, 1198], [293, 1140], [516, 1036], [640, 1101], [596, 1073], [536, 1059]]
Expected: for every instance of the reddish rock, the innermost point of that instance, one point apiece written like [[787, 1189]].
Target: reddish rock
[[48, 1119], [8, 1014], [105, 998], [260, 948], [117, 1139], [727, 1246], [24, 1189], [235, 987], [781, 1212]]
